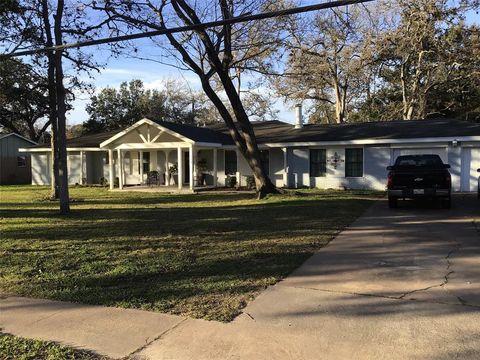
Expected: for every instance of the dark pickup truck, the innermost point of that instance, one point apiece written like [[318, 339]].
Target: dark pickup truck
[[419, 176]]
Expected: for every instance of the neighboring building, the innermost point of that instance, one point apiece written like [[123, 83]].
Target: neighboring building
[[15, 167], [325, 156]]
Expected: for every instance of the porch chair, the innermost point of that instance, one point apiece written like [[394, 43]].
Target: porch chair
[[153, 178]]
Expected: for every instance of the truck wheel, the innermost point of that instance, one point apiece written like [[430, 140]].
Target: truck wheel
[[392, 202], [447, 203]]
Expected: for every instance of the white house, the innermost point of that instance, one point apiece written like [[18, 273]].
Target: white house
[[326, 156]]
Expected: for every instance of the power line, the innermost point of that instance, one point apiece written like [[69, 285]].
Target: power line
[[235, 20]]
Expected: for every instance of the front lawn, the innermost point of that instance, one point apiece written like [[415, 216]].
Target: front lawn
[[202, 255], [17, 348]]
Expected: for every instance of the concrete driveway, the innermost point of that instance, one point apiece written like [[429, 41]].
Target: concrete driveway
[[398, 284]]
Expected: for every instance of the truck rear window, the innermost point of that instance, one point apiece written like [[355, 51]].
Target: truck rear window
[[419, 160]]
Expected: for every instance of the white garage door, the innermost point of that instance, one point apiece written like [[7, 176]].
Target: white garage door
[[440, 151], [470, 164]]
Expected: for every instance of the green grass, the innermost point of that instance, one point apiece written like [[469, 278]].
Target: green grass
[[202, 255], [17, 348]]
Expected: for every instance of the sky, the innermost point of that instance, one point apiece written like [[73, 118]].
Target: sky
[[124, 68], [153, 74]]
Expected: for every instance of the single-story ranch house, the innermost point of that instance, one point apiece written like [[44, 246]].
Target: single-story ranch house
[[312, 155]]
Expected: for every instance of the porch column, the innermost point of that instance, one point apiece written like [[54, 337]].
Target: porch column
[[141, 167], [82, 174], [237, 174], [180, 167], [111, 179], [190, 165], [167, 170], [215, 175], [285, 167], [120, 169]]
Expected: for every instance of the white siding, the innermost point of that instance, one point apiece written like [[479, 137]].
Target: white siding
[[40, 168], [74, 168], [470, 163]]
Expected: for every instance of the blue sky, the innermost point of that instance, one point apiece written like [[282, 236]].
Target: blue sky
[[151, 73], [118, 70]]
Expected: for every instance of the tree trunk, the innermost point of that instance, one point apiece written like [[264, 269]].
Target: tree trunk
[[407, 106], [241, 131], [61, 115], [54, 126], [250, 151], [52, 103], [244, 143]]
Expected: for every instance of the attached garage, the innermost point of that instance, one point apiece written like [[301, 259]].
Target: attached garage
[[470, 164], [440, 151]]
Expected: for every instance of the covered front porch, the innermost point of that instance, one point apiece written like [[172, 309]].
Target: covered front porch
[[181, 168], [150, 155]]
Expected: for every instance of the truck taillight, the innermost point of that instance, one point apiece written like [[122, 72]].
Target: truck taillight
[[390, 179], [448, 179]]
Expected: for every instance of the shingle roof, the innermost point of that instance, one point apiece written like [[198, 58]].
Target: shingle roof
[[280, 132], [86, 140], [277, 131], [198, 134], [5, 135]]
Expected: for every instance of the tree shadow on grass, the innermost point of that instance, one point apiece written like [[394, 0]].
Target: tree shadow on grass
[[200, 261]]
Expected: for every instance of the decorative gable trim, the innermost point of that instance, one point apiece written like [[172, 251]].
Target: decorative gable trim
[[147, 140]]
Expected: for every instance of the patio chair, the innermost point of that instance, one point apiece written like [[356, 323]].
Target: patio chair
[[153, 178]]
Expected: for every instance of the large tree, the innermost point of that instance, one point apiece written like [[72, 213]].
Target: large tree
[[425, 63], [216, 55], [43, 23], [113, 108], [327, 60], [24, 105]]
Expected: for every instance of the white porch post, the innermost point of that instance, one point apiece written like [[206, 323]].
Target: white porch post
[[82, 174], [120, 169], [141, 167], [215, 175], [167, 170], [180, 167], [237, 174], [285, 167], [190, 165], [110, 168]]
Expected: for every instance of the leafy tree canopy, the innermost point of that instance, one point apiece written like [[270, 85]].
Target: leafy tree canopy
[[23, 99]]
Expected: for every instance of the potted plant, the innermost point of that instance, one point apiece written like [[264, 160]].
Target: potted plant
[[173, 173], [201, 171]]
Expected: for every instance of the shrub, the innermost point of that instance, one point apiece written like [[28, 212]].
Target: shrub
[[231, 181], [250, 180]]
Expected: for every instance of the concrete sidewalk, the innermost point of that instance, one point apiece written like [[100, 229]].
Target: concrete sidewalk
[[109, 331], [398, 284]]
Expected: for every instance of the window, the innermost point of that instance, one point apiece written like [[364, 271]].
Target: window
[[21, 161], [230, 162], [353, 162], [265, 159], [128, 163], [146, 162], [318, 162]]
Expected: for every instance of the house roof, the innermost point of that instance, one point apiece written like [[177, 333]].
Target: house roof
[[280, 132], [5, 135], [198, 134], [86, 141]]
